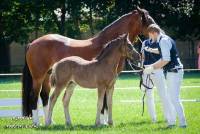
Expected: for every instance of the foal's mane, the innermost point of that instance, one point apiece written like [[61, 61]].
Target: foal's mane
[[109, 47]]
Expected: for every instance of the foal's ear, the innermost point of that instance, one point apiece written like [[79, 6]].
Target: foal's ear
[[123, 44], [122, 48]]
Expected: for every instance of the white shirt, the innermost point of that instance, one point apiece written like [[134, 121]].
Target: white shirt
[[165, 46]]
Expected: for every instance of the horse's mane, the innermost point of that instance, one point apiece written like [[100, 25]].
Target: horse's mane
[[121, 19], [115, 23], [108, 47]]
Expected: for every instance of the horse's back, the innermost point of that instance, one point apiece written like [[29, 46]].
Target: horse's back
[[48, 49]]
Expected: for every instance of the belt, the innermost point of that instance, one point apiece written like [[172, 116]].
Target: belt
[[174, 70]]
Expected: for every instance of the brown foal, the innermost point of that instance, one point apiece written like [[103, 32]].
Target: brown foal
[[100, 73]]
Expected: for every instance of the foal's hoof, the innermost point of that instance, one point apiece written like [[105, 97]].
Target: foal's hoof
[[98, 124], [101, 124], [49, 122], [37, 124], [110, 123]]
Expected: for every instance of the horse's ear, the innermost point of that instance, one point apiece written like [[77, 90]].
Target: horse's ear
[[139, 10], [143, 13]]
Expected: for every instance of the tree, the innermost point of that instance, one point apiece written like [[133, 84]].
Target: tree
[[179, 18], [14, 26]]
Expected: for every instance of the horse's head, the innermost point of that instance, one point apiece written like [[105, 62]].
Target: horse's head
[[128, 50], [140, 20]]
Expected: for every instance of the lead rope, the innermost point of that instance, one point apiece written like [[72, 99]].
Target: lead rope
[[148, 79], [142, 84], [147, 87]]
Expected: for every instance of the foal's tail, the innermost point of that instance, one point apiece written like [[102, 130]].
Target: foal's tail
[[27, 87], [53, 77]]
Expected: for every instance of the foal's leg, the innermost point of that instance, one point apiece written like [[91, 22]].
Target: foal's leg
[[109, 94], [66, 99], [44, 94], [101, 93], [52, 102], [104, 111]]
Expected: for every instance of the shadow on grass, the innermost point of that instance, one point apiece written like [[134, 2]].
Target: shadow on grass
[[140, 125], [133, 124], [62, 127], [71, 128], [164, 128]]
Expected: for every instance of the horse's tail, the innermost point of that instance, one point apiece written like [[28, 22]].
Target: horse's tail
[[27, 87], [53, 77]]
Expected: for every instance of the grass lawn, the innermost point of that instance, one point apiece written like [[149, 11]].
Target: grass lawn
[[126, 115]]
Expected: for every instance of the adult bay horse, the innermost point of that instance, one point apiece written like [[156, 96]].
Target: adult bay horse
[[100, 73], [43, 52]]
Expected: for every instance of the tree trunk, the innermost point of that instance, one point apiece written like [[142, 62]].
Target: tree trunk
[[4, 57], [37, 17], [77, 25], [91, 21], [37, 24], [62, 24]]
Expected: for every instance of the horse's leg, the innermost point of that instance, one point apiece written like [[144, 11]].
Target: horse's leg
[[66, 99], [52, 102], [101, 93], [109, 94], [44, 94], [104, 111], [34, 101]]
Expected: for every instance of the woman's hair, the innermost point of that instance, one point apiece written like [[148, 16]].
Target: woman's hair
[[154, 28]]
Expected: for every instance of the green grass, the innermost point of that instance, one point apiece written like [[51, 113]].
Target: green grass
[[127, 116]]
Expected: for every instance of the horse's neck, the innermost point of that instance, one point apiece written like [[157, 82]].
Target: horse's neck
[[112, 31]]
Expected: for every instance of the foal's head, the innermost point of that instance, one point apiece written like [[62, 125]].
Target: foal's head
[[127, 49], [122, 46]]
